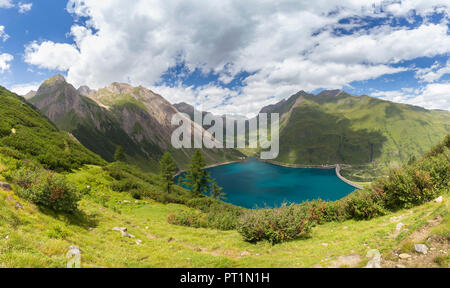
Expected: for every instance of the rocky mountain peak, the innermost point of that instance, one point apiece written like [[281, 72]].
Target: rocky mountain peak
[[330, 93], [84, 90], [55, 80], [30, 95], [120, 88]]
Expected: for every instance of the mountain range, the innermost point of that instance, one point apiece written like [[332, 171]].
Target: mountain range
[[134, 118], [367, 134]]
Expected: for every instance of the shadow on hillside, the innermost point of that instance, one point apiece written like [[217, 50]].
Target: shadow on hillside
[[315, 137], [79, 218]]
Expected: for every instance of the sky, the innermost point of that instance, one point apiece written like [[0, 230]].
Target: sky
[[232, 56]]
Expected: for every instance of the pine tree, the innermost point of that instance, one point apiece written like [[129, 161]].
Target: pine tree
[[119, 155], [168, 169], [216, 192], [197, 179]]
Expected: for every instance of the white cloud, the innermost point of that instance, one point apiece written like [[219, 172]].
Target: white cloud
[[386, 45], [51, 55], [277, 42], [3, 35], [433, 73], [23, 89], [24, 7], [431, 96], [6, 4], [5, 58]]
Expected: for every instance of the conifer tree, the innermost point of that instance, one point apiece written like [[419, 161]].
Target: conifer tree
[[119, 155], [216, 192], [197, 179], [167, 170]]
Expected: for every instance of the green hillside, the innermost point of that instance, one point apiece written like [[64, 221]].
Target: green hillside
[[25, 132], [35, 236], [367, 133]]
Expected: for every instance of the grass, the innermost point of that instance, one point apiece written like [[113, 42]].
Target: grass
[[40, 238]]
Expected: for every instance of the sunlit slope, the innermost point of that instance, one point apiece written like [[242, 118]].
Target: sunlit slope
[[25, 130], [336, 127], [41, 239]]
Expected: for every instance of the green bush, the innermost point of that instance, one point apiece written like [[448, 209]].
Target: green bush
[[46, 189], [407, 188], [275, 225], [188, 218], [364, 205]]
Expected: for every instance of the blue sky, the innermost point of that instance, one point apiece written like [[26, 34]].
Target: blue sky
[[231, 56]]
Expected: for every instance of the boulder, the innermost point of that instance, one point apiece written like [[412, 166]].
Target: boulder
[[421, 248], [120, 229], [439, 199], [125, 234], [404, 256], [400, 266], [5, 186]]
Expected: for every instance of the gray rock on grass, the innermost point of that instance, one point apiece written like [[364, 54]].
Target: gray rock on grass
[[421, 248]]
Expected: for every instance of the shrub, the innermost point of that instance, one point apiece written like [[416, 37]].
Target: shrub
[[46, 189], [188, 218], [364, 205], [274, 225], [407, 188]]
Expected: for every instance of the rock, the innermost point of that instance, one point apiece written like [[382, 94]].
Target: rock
[[375, 262], [7, 237], [439, 199], [5, 186], [138, 242], [125, 234], [120, 229], [91, 229], [245, 253], [126, 201], [404, 256], [19, 206], [421, 248], [400, 266]]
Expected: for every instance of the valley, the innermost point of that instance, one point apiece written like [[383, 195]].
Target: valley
[[182, 229]]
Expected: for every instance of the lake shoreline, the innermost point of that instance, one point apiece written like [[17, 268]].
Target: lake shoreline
[[336, 167], [212, 166]]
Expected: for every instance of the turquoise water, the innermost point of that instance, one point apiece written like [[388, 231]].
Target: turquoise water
[[255, 184]]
